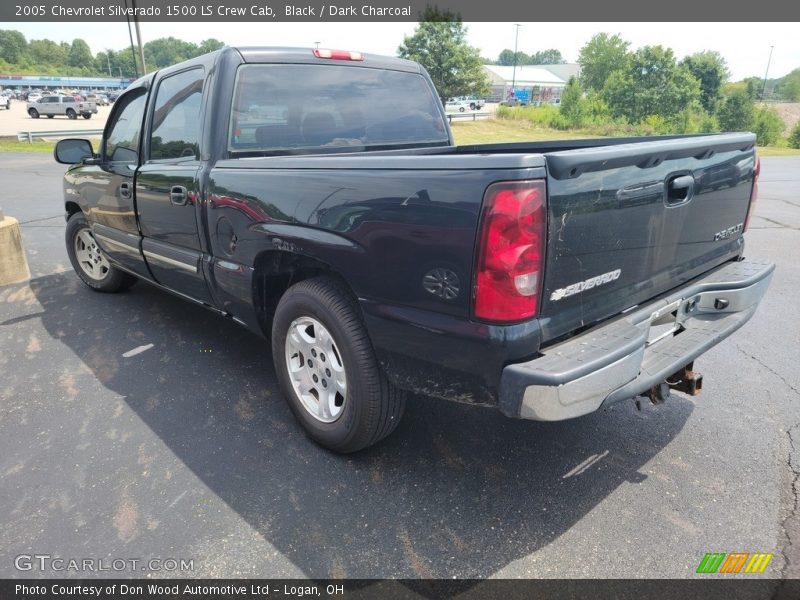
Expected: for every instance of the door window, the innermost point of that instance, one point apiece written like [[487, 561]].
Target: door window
[[175, 132], [122, 142]]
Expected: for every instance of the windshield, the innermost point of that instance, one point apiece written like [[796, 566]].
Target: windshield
[[297, 107]]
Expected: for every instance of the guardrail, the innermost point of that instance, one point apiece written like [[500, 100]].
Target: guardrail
[[57, 135], [467, 115]]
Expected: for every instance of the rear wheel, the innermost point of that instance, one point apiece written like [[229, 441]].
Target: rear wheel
[[327, 368], [88, 259], [71, 114], [33, 113], [50, 116], [87, 115]]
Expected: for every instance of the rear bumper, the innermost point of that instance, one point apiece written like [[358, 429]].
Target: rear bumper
[[625, 357]]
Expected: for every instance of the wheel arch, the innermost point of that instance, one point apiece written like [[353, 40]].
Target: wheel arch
[[275, 271]]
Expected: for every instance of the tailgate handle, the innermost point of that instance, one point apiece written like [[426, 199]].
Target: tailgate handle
[[680, 190]]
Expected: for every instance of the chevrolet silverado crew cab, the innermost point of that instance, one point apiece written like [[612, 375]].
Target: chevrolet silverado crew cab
[[61, 104], [316, 197]]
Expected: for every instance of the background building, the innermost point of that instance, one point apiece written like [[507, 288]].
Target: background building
[[26, 82], [533, 83]]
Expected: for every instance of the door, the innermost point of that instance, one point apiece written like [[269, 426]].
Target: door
[[108, 187], [167, 190]]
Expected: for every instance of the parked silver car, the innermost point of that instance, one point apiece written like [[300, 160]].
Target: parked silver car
[[68, 106]]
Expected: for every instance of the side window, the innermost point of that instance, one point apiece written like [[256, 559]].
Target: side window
[[69, 99], [175, 132], [122, 142]]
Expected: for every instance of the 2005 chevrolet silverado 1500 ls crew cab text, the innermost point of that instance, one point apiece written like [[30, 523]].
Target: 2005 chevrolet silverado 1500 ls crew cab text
[[317, 198]]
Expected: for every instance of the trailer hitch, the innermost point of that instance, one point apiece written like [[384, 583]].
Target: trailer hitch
[[685, 380]]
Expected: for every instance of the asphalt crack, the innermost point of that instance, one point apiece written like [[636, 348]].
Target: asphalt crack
[[788, 524], [770, 369], [778, 223]]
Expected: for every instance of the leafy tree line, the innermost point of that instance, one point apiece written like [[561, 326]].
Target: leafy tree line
[[46, 57], [649, 87], [551, 56]]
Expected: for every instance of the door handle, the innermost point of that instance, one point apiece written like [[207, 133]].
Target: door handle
[[125, 190], [178, 195]]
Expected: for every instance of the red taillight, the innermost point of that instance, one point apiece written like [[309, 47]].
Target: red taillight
[[753, 193], [509, 268], [337, 54]]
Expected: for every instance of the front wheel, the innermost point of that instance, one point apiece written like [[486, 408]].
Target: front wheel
[[50, 116], [460, 109], [71, 114], [33, 113], [88, 259], [327, 368]]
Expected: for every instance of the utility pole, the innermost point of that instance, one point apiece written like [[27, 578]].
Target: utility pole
[[514, 69], [139, 39], [108, 59], [769, 60]]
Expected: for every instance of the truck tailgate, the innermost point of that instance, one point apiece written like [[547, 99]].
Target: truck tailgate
[[629, 222]]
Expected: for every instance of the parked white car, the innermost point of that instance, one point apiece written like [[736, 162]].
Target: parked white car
[[456, 105], [4, 102]]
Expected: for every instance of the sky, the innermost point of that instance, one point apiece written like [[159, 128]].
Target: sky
[[745, 46]]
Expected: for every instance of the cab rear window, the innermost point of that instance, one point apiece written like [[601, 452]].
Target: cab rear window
[[310, 107]]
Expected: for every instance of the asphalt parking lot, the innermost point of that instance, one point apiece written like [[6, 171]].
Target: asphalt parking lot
[[186, 450], [16, 119]]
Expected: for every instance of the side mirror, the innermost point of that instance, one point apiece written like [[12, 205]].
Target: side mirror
[[72, 151]]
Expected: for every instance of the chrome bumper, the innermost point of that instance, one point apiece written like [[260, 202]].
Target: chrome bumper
[[626, 356]]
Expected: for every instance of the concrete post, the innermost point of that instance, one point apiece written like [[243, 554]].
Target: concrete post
[[13, 264]]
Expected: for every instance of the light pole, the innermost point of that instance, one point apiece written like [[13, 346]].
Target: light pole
[[514, 69], [769, 60], [108, 59]]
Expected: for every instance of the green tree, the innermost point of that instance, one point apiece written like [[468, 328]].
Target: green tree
[[768, 126], [47, 52], [167, 51], [506, 58], [789, 87], [453, 65], [209, 45], [652, 83], [573, 104], [601, 56], [80, 55], [794, 137], [736, 113], [711, 71], [550, 56], [13, 46]]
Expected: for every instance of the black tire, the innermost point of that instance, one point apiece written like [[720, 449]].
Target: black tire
[[87, 115], [373, 407], [460, 109], [50, 116], [33, 113], [71, 114], [114, 279]]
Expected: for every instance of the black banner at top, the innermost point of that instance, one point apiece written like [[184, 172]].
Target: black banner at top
[[676, 11]]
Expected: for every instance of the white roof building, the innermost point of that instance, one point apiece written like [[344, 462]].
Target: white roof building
[[523, 76]]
